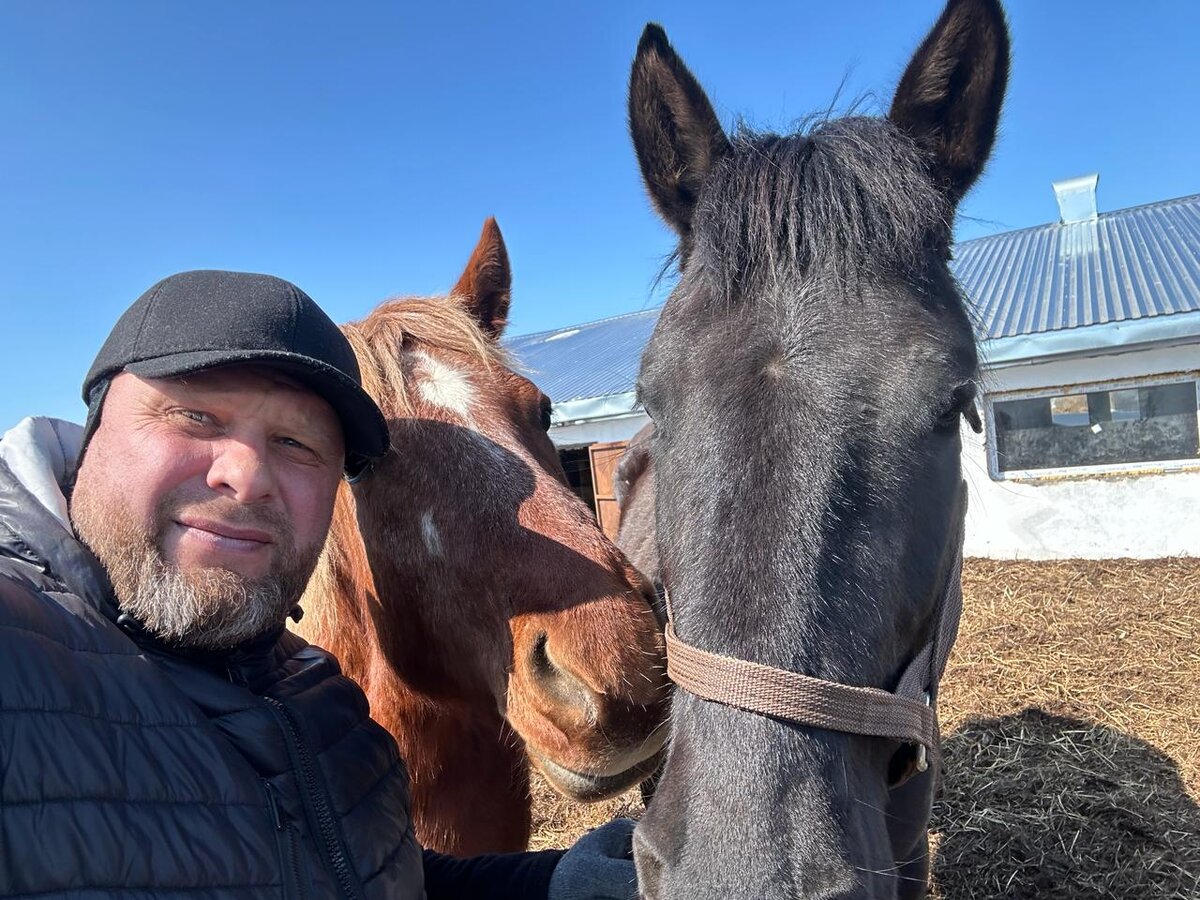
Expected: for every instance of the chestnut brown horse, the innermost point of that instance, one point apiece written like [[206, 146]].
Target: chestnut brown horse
[[471, 594]]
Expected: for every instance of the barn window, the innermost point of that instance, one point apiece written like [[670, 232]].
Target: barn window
[[1096, 428]]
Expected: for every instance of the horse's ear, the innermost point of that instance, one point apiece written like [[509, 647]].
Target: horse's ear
[[950, 96], [675, 131], [486, 285]]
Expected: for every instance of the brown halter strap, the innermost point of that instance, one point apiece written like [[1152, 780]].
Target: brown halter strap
[[905, 715]]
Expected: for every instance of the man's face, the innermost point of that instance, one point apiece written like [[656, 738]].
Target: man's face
[[208, 497]]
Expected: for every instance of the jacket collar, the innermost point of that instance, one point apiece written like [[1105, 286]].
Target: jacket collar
[[36, 459], [249, 663]]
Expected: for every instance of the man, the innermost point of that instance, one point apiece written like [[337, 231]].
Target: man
[[161, 733]]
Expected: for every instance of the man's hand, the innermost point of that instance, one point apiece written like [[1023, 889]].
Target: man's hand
[[599, 866]]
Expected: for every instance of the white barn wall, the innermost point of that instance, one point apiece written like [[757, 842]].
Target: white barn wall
[[581, 434], [1108, 366], [1146, 515]]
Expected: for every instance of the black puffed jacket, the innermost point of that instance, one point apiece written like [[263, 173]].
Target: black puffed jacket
[[128, 769]]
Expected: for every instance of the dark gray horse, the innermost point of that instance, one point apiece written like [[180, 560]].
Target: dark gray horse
[[807, 379]]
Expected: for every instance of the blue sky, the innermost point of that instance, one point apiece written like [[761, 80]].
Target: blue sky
[[355, 149]]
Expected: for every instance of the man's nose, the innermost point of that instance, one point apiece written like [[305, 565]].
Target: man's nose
[[241, 469]]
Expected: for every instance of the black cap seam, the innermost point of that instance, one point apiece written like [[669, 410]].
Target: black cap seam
[[295, 314], [137, 340], [171, 350]]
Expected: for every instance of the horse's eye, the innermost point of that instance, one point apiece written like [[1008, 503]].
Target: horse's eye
[[546, 420], [640, 393], [962, 403]]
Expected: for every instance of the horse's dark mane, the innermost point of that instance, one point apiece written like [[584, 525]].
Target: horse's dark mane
[[850, 195]]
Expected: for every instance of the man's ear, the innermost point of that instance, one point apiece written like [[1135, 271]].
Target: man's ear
[[96, 399]]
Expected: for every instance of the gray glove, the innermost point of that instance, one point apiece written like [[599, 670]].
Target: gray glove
[[599, 866]]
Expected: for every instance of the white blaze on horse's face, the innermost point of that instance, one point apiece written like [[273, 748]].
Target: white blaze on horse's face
[[444, 386]]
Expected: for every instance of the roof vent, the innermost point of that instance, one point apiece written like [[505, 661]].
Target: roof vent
[[1077, 198]]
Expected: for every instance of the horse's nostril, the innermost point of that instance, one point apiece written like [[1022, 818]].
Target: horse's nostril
[[539, 657], [558, 682]]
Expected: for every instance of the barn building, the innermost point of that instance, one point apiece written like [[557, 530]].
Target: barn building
[[1089, 332]]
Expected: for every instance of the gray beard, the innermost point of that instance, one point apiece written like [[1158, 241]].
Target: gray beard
[[205, 608], [209, 608]]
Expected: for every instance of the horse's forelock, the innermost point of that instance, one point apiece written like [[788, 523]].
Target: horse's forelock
[[852, 195], [431, 323]]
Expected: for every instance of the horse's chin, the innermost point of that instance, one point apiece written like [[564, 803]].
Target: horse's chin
[[590, 787]]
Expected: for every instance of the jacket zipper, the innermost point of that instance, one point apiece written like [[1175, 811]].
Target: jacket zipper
[[289, 857], [317, 804]]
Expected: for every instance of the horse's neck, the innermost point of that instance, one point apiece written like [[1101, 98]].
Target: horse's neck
[[379, 641], [339, 595]]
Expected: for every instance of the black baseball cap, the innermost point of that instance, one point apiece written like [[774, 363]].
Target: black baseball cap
[[208, 318]]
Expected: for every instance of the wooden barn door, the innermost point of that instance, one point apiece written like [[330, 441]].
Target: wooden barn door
[[604, 459]]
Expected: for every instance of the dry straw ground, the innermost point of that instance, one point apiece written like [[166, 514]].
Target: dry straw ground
[[1071, 710]]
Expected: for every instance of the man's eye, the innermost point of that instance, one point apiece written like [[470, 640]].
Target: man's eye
[[292, 442], [193, 415]]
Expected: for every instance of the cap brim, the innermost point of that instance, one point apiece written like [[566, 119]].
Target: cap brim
[[363, 426]]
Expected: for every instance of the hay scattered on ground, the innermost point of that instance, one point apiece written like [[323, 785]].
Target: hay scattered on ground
[[558, 822], [1114, 642], [1041, 806], [1072, 713], [1073, 757]]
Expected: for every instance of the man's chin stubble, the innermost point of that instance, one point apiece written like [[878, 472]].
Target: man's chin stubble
[[205, 608], [201, 608]]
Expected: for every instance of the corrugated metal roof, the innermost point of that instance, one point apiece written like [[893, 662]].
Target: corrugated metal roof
[[1131, 264], [592, 360], [1126, 267]]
